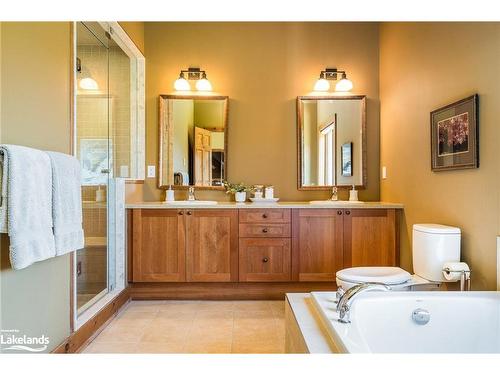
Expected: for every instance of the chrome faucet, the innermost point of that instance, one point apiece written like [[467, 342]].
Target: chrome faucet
[[334, 196], [191, 196], [344, 305]]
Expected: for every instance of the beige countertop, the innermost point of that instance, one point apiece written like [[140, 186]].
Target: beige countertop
[[219, 205]]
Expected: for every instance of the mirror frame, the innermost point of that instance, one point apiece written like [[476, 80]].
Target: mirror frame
[[300, 147], [164, 123]]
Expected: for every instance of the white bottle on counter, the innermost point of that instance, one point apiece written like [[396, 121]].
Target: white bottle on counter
[[269, 192], [169, 194], [353, 194]]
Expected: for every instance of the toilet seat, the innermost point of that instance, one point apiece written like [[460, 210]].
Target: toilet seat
[[384, 275]]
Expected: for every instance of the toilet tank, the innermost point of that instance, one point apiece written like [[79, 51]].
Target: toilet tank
[[433, 245]]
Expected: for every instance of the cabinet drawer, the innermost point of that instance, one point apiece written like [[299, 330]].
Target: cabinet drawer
[[265, 259], [262, 215], [265, 230]]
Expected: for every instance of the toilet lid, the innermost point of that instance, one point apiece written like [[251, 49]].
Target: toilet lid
[[385, 275]]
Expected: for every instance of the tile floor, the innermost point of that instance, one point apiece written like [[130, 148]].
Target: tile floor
[[195, 327]]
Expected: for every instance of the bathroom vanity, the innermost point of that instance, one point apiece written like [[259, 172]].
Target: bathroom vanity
[[254, 251]]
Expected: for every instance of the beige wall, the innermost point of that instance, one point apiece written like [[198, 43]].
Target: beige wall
[[35, 63], [423, 67], [135, 31], [262, 67]]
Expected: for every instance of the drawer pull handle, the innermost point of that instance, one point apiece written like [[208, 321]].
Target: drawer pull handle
[[265, 230], [189, 213], [348, 212], [181, 213], [339, 212], [265, 260], [264, 216]]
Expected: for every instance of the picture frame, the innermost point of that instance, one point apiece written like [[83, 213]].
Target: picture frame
[[346, 159], [455, 135]]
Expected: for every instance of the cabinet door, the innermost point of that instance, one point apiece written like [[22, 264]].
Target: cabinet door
[[158, 245], [212, 245], [265, 259], [317, 244], [370, 237]]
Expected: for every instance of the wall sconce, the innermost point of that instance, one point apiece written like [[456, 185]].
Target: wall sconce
[[331, 74], [194, 74], [87, 82]]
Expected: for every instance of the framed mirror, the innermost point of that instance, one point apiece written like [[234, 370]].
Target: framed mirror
[[193, 141], [331, 137]]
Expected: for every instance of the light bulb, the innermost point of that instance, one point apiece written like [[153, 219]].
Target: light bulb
[[203, 85], [343, 85], [322, 85], [181, 84], [88, 84]]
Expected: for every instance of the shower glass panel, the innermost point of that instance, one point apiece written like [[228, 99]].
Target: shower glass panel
[[95, 149]]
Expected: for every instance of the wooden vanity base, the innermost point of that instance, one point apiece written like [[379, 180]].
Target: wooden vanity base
[[223, 291]]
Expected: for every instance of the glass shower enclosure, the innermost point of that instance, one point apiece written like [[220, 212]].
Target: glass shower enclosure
[[106, 137]]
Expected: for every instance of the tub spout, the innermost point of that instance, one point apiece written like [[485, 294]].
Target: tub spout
[[344, 304]]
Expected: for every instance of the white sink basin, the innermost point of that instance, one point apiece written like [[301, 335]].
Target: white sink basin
[[193, 203], [336, 203]]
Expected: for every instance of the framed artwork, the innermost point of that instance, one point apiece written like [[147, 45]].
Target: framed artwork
[[455, 135], [346, 159]]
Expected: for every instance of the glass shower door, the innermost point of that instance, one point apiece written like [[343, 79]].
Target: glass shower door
[[94, 149]]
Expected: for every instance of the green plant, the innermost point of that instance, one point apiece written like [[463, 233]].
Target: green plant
[[235, 188]]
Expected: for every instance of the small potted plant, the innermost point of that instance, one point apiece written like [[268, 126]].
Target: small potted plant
[[239, 191]]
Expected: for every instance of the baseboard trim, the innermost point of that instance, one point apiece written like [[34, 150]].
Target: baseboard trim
[[224, 291], [82, 336]]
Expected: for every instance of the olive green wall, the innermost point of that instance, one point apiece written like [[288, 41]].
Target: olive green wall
[[424, 66], [35, 63], [262, 67]]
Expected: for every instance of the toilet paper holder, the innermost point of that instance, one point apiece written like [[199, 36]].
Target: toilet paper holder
[[464, 277]]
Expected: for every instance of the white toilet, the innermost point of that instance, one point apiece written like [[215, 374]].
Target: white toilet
[[433, 245]]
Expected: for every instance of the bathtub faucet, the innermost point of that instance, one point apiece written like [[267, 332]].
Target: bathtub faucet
[[344, 305]]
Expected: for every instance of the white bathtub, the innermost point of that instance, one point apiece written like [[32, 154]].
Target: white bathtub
[[381, 322]]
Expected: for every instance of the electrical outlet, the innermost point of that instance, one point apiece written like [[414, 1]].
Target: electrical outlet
[[151, 171], [384, 172]]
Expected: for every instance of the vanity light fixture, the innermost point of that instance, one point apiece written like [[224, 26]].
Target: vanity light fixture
[[322, 83], [194, 74]]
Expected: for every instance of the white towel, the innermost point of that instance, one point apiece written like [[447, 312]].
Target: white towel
[[66, 203], [27, 204]]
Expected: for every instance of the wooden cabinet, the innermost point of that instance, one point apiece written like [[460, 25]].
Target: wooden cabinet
[[318, 244], [265, 259], [212, 245], [370, 238], [184, 245], [327, 240], [265, 245], [259, 245], [159, 252]]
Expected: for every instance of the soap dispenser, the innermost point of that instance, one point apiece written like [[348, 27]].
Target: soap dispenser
[[169, 194], [353, 194]]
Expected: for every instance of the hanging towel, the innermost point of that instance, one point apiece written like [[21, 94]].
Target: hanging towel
[[66, 202], [27, 204]]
